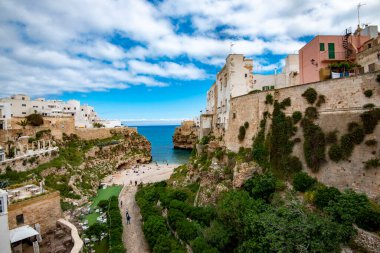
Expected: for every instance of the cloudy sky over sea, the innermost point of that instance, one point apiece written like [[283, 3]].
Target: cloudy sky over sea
[[151, 60]]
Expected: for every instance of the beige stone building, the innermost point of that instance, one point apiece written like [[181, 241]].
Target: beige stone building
[[369, 56]]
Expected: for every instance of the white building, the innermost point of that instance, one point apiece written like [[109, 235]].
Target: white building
[[22, 106], [235, 79], [5, 115], [5, 245]]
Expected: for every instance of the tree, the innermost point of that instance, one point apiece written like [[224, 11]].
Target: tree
[[35, 119], [23, 123]]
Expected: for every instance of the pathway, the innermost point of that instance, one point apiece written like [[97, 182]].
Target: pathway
[[133, 236]]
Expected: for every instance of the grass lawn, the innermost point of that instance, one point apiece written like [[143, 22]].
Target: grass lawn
[[104, 194], [92, 218]]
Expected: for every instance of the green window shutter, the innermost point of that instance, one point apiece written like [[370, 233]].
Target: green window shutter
[[272, 87], [321, 46], [331, 50]]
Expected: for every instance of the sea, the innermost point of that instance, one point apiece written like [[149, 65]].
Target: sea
[[162, 146]]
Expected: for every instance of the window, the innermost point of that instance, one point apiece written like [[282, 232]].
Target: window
[[20, 219], [245, 75], [23, 98], [1, 205], [331, 50], [372, 67], [24, 105], [321, 47], [234, 115], [369, 45], [272, 87], [23, 112]]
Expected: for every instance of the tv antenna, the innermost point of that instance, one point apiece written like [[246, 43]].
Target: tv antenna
[[359, 5]]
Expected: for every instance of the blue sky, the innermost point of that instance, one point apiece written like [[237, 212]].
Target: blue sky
[[152, 60]]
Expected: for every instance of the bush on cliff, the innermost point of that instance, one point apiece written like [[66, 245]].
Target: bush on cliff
[[261, 186], [303, 182], [35, 119], [310, 95]]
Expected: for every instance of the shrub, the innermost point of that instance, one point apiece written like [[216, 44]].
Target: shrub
[[217, 235], [205, 140], [370, 119], [372, 163], [285, 103], [311, 113], [241, 135], [186, 230], [269, 99], [35, 119], [153, 227], [326, 196], [352, 126], [321, 100], [310, 95], [174, 215], [261, 186], [368, 93], [335, 153], [368, 106], [347, 145], [297, 116], [331, 137], [303, 182], [371, 142], [293, 164], [313, 145], [246, 125], [199, 245], [357, 135], [165, 244]]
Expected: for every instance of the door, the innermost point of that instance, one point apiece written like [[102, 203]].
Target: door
[[331, 47]]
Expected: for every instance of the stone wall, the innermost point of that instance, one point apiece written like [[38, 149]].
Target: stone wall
[[27, 163], [44, 210], [344, 104], [56, 125], [100, 133]]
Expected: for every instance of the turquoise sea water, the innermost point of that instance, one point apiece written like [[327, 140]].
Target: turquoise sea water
[[162, 146]]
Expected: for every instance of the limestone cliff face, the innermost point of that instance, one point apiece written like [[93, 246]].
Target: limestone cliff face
[[186, 135]]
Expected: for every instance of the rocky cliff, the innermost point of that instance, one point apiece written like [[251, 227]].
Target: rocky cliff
[[186, 135]]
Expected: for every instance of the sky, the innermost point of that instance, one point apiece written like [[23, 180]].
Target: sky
[[153, 61]]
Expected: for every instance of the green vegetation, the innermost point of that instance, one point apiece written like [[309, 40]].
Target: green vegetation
[[105, 194], [368, 93], [115, 227], [314, 144], [321, 100], [23, 123], [335, 153], [297, 116], [370, 119], [303, 182], [206, 139], [35, 119], [98, 125], [241, 134], [310, 95], [269, 99], [261, 217], [372, 163], [246, 124], [371, 142], [368, 106]]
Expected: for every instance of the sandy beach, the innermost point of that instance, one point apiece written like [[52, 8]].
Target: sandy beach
[[142, 173]]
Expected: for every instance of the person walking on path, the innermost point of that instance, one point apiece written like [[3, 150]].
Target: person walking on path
[[128, 218]]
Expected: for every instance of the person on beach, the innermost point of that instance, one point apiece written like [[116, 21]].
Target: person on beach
[[128, 219]]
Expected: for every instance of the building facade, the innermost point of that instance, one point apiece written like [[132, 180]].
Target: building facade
[[21, 106], [323, 50], [5, 116], [369, 56]]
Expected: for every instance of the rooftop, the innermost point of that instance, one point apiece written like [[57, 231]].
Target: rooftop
[[24, 192]]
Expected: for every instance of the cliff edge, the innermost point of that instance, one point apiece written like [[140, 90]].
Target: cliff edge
[[186, 135]]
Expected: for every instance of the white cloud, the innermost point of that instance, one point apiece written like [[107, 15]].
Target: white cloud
[[56, 46], [167, 69]]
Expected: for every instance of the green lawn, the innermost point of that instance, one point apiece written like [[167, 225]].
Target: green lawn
[[104, 194]]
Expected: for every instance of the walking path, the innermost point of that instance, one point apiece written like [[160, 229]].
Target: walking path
[[133, 235]]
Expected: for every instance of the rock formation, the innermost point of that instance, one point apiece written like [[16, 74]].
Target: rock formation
[[186, 135]]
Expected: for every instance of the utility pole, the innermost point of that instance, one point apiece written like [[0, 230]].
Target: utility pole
[[359, 5]]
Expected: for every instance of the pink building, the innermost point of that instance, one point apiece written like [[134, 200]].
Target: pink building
[[323, 50]]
